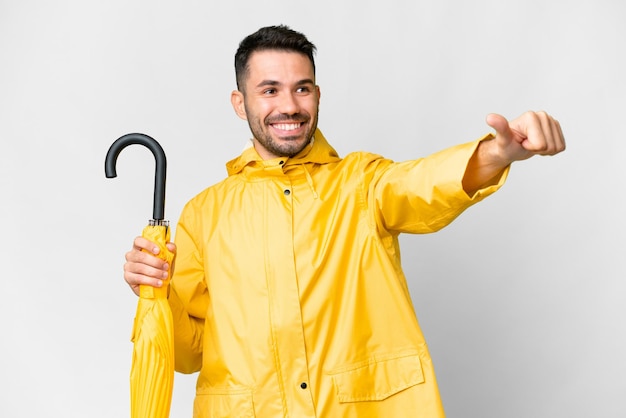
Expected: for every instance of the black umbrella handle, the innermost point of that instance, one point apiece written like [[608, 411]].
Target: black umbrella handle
[[158, 210]]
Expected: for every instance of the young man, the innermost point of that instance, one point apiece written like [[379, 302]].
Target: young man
[[288, 294]]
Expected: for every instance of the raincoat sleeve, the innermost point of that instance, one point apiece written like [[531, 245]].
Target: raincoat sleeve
[[425, 195], [188, 299]]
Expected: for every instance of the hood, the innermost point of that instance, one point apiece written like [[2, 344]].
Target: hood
[[318, 151]]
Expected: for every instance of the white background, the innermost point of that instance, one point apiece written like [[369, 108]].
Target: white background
[[522, 299]]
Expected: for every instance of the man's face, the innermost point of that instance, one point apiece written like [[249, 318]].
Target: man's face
[[280, 102]]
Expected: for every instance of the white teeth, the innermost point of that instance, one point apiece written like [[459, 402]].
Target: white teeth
[[287, 126]]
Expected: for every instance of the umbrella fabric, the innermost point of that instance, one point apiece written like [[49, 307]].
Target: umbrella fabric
[[152, 372]]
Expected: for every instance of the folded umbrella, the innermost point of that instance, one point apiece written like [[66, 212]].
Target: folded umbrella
[[152, 369]]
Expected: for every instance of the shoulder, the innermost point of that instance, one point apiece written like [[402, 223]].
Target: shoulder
[[207, 195], [367, 164], [363, 159]]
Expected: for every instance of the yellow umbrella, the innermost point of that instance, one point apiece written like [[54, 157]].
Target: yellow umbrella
[[152, 370]]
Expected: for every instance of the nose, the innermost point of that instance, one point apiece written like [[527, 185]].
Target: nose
[[289, 104]]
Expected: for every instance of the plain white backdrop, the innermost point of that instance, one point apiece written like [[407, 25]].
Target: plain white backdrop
[[522, 299]]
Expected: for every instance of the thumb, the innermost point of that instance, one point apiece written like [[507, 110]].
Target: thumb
[[503, 128], [499, 123]]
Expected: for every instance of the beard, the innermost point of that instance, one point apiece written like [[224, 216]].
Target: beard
[[286, 146]]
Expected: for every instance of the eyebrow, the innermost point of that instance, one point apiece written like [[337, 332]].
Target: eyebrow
[[273, 83]]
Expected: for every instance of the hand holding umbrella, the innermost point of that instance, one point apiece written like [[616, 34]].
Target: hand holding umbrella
[[152, 371]]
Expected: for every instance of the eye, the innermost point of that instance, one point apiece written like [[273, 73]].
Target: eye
[[303, 89], [269, 91]]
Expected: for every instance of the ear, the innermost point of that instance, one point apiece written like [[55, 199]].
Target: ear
[[237, 100]]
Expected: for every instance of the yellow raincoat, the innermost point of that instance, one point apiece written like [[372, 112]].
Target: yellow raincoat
[[288, 294]]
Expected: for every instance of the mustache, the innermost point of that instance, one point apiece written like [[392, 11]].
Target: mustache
[[295, 118]]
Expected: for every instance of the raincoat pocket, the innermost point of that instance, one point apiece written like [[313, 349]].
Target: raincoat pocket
[[378, 378], [223, 403]]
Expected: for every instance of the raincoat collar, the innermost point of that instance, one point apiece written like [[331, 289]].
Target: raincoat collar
[[318, 151]]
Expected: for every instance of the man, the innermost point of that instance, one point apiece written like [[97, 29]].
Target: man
[[288, 294]]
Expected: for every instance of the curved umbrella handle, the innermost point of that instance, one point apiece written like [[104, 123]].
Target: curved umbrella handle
[[158, 210]]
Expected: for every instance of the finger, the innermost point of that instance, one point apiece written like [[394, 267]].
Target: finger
[[552, 135], [148, 266], [147, 270], [139, 256], [172, 248], [560, 139], [135, 280], [142, 243], [534, 124], [144, 268], [544, 142]]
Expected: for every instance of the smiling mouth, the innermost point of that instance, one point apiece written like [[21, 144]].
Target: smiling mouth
[[287, 126]]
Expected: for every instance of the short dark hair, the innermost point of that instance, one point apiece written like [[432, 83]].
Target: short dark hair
[[279, 37]]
